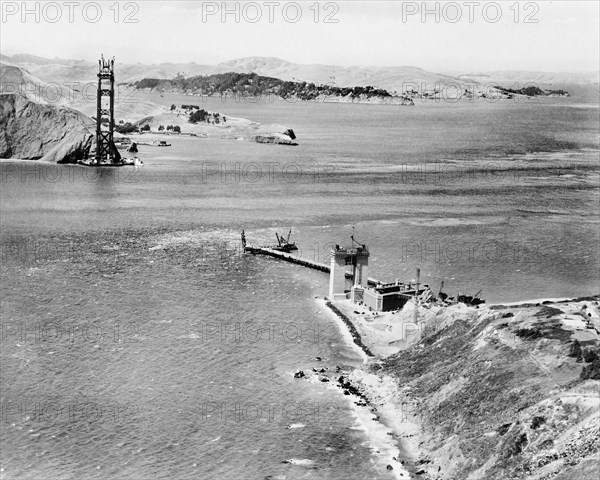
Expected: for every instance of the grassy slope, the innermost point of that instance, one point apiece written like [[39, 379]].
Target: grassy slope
[[498, 396]]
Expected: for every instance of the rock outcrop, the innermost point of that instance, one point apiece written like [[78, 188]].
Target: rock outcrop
[[277, 134], [277, 138], [34, 131]]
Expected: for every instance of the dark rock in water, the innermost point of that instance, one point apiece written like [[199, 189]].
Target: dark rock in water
[[290, 133], [299, 374], [276, 138]]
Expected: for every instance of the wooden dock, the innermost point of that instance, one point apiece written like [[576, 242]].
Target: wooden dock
[[288, 257]]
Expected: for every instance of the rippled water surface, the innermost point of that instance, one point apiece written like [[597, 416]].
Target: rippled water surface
[[139, 343]]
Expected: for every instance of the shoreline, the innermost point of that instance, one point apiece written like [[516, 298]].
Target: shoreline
[[383, 431], [349, 327], [385, 409], [344, 331]]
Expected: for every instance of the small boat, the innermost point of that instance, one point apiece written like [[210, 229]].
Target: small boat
[[123, 143], [160, 143], [135, 161]]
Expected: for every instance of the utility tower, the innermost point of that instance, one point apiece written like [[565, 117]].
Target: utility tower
[[106, 152], [416, 314]]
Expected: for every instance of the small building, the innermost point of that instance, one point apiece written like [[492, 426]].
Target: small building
[[386, 297]]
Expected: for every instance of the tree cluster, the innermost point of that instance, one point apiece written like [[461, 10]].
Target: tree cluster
[[253, 85], [198, 116], [126, 128]]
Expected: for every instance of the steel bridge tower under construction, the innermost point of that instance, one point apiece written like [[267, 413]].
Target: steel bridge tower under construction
[[106, 152]]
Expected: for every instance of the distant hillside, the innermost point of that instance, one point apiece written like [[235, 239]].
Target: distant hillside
[[532, 91], [548, 80], [387, 78], [34, 59], [60, 70], [392, 79], [14, 79]]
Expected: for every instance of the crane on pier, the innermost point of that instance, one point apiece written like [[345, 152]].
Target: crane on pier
[[284, 244]]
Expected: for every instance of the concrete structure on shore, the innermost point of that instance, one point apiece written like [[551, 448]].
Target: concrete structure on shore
[[388, 296], [377, 296], [358, 258]]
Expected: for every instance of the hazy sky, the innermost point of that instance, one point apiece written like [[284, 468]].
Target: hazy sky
[[443, 36]]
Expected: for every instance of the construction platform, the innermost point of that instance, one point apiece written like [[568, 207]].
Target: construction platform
[[288, 257]]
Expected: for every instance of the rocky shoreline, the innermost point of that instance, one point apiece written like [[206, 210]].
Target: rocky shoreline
[[383, 435], [355, 335], [452, 399]]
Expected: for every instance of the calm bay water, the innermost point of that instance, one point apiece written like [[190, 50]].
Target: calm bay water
[[137, 341]]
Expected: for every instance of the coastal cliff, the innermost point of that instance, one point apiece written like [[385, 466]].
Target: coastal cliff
[[34, 131], [501, 392]]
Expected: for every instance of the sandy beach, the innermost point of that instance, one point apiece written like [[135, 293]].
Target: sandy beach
[[379, 422]]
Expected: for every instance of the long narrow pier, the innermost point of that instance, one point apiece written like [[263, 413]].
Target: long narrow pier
[[288, 257]]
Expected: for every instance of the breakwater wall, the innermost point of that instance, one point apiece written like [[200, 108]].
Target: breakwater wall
[[355, 335]]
